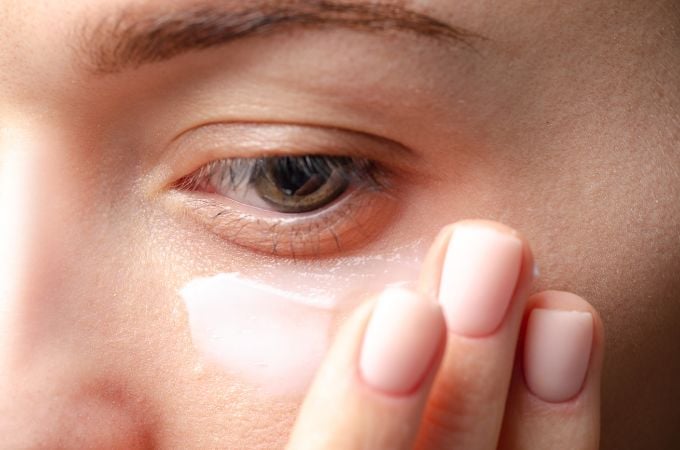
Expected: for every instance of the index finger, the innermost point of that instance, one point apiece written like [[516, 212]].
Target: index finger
[[372, 388]]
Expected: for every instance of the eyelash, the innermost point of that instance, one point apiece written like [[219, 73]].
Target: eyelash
[[240, 171], [351, 220]]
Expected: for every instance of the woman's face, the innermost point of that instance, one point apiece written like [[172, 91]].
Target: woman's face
[[558, 119]]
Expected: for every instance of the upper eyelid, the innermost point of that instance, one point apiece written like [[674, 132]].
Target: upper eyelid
[[203, 144], [223, 130]]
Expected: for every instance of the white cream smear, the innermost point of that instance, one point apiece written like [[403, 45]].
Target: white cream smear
[[272, 337]]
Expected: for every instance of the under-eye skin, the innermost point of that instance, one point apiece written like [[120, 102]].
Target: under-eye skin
[[291, 205]]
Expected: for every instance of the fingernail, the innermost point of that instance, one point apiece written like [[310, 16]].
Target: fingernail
[[556, 353], [400, 342], [478, 280]]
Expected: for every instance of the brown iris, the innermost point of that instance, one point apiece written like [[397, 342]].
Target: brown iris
[[301, 184]]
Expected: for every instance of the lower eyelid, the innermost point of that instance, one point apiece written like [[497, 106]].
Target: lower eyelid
[[352, 221]]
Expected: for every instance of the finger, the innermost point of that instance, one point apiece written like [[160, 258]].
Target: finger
[[485, 273], [554, 399], [371, 390]]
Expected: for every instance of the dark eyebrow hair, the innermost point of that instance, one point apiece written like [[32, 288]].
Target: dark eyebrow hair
[[131, 38]]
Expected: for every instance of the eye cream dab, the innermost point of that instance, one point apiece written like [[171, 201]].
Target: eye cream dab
[[273, 338], [272, 329]]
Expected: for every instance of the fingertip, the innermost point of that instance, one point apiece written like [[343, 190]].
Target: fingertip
[[554, 299], [401, 342], [568, 301], [557, 383], [431, 272], [563, 346], [374, 383]]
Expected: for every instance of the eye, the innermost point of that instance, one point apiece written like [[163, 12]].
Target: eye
[[302, 191], [294, 206]]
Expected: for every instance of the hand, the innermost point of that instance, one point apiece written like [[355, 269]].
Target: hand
[[405, 372]]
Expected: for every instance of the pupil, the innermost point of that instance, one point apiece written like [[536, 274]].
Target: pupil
[[298, 176]]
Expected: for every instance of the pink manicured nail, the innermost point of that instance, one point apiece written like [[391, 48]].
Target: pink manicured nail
[[400, 342], [478, 278], [556, 352]]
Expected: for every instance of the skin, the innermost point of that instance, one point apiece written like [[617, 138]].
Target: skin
[[563, 124]]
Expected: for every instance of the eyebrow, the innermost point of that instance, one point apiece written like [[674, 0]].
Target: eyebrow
[[130, 39]]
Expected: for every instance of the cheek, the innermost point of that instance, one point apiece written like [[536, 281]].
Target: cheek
[[222, 358]]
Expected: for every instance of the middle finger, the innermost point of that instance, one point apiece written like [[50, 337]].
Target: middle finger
[[481, 272]]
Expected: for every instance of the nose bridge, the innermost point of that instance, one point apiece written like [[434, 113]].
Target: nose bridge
[[28, 240], [14, 239]]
